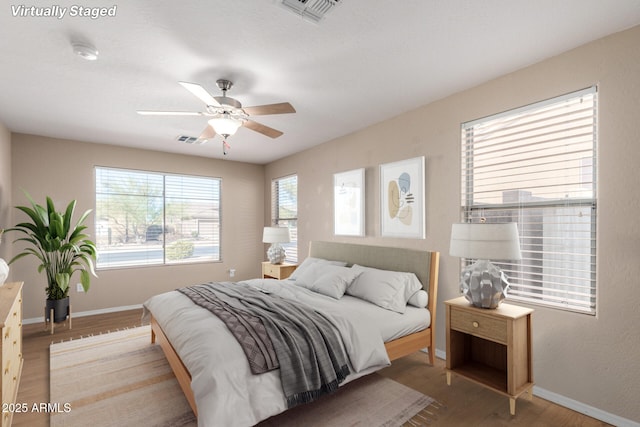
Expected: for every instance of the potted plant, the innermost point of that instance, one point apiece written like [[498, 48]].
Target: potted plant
[[61, 248]]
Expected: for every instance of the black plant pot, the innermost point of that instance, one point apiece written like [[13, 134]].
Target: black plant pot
[[60, 309]]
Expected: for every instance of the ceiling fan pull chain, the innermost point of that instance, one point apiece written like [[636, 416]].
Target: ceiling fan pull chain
[[225, 147]]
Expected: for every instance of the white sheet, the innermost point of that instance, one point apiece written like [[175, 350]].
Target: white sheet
[[226, 392], [391, 325]]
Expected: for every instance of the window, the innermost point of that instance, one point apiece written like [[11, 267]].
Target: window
[[536, 166], [284, 211], [149, 218]]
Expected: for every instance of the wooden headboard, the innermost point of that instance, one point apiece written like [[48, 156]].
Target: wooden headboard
[[424, 264]]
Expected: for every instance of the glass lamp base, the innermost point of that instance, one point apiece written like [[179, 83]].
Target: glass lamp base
[[276, 254], [483, 284]]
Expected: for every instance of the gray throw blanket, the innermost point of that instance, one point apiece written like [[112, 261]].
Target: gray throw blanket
[[308, 347]]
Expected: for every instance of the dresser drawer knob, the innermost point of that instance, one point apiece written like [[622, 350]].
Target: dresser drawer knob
[[475, 324]]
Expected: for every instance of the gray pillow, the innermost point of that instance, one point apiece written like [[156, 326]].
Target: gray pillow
[[308, 262], [384, 288], [327, 279], [419, 299]]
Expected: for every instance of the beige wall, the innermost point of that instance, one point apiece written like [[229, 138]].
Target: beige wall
[[64, 170], [592, 360], [5, 189]]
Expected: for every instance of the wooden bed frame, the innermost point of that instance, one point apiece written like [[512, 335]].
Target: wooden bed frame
[[423, 263]]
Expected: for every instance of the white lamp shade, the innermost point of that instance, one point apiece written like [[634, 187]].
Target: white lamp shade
[[275, 235], [485, 241], [225, 125]]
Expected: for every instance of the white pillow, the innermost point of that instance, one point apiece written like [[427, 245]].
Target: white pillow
[[384, 288], [419, 299], [327, 279], [308, 262]]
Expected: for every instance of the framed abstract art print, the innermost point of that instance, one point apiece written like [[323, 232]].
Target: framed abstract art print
[[402, 195]]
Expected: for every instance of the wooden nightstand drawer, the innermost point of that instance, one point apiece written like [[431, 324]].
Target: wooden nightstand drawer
[[271, 270], [491, 328], [277, 271]]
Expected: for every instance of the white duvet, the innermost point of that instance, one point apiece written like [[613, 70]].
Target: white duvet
[[225, 390]]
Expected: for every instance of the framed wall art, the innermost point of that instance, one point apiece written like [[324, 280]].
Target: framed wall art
[[348, 196], [402, 194]]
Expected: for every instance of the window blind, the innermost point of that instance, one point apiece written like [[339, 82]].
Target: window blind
[[150, 218], [536, 166], [284, 211]]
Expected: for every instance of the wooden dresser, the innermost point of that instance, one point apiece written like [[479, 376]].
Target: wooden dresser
[[10, 346]]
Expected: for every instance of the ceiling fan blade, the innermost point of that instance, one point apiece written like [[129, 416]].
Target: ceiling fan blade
[[207, 133], [261, 110], [169, 113], [201, 93], [265, 130]]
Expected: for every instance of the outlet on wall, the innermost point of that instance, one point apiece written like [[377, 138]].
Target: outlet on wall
[[79, 287], [232, 272]]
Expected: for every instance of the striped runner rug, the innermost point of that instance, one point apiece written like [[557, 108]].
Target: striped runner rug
[[120, 379]]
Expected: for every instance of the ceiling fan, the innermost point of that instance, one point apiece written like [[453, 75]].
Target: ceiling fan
[[225, 114]]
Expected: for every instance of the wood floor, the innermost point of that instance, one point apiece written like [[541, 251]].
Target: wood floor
[[464, 403]]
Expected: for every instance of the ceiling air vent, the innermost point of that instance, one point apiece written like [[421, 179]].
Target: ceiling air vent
[[190, 139], [313, 10]]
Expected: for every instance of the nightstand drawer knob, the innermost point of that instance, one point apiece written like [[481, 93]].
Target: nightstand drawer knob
[[475, 324]]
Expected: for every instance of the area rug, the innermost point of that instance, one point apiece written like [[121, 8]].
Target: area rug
[[121, 379]]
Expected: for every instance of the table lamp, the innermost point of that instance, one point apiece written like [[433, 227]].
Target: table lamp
[[275, 236], [482, 283]]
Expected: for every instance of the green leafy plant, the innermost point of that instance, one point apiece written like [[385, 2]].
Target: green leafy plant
[[179, 250], [61, 248]]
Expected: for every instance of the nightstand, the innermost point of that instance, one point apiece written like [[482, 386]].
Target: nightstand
[[277, 271], [491, 347]]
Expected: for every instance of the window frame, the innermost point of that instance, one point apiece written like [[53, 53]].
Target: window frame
[[524, 288], [291, 248], [165, 198]]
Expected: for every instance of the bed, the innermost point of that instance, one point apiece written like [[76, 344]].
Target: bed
[[260, 393]]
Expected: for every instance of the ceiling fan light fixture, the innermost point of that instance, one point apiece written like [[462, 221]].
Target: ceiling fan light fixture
[[225, 125]]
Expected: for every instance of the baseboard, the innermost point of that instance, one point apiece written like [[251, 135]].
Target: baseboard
[[569, 403], [583, 408], [87, 313]]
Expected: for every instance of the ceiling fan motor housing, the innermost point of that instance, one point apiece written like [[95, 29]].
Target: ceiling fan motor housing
[[225, 101]]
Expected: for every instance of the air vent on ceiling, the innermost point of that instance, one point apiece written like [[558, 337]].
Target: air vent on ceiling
[[190, 139], [313, 10]]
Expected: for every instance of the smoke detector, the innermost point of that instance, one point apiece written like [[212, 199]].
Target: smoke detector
[[313, 10], [85, 50]]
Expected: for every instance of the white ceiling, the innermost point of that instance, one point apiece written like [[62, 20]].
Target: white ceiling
[[368, 60]]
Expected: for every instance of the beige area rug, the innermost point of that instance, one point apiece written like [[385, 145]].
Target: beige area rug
[[115, 379], [120, 379]]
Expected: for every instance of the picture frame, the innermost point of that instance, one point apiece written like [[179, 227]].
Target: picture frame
[[402, 198], [348, 196]]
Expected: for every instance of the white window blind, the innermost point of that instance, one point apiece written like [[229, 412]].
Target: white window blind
[[536, 166], [149, 218], [284, 211]]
